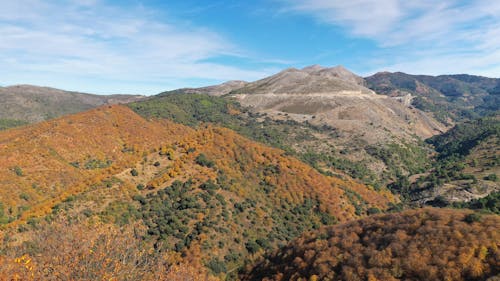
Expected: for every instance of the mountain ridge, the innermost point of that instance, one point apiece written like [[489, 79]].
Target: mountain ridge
[[34, 103], [450, 98]]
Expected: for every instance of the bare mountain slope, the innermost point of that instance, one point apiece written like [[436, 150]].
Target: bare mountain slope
[[336, 97], [312, 79], [33, 104]]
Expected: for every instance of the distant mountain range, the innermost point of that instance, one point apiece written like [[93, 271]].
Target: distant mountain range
[[34, 104], [450, 97]]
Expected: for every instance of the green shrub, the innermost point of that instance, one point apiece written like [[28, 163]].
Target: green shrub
[[373, 211], [472, 217], [11, 123], [202, 160], [491, 177], [18, 171], [252, 246], [217, 266], [93, 164]]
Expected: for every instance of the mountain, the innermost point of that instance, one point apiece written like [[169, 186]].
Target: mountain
[[449, 97], [325, 116], [205, 194], [26, 103], [426, 244], [335, 97], [312, 79]]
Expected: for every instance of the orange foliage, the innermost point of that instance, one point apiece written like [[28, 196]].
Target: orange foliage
[[414, 245], [48, 152], [243, 160], [44, 152]]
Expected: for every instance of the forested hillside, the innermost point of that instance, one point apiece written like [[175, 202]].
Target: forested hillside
[[185, 186], [208, 194], [426, 244]]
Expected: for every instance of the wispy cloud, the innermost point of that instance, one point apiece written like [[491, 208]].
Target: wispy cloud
[[364, 17], [93, 40], [435, 36]]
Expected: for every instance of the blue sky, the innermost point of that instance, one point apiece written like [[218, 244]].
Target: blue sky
[[132, 46]]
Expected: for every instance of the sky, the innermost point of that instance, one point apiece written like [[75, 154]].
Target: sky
[[146, 47]]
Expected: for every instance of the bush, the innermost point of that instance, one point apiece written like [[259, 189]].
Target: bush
[[202, 160], [252, 246], [93, 164], [491, 177], [472, 217], [87, 212], [373, 211], [18, 171], [134, 173], [216, 266]]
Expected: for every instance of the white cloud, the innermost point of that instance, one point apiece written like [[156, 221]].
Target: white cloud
[[365, 17], [433, 36], [86, 38]]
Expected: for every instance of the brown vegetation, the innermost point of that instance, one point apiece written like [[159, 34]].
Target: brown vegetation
[[42, 164], [111, 165], [65, 250], [426, 244]]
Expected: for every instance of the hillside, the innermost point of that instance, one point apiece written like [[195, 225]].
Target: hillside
[[427, 244], [449, 97], [210, 194], [329, 150], [41, 164], [26, 103], [467, 164]]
